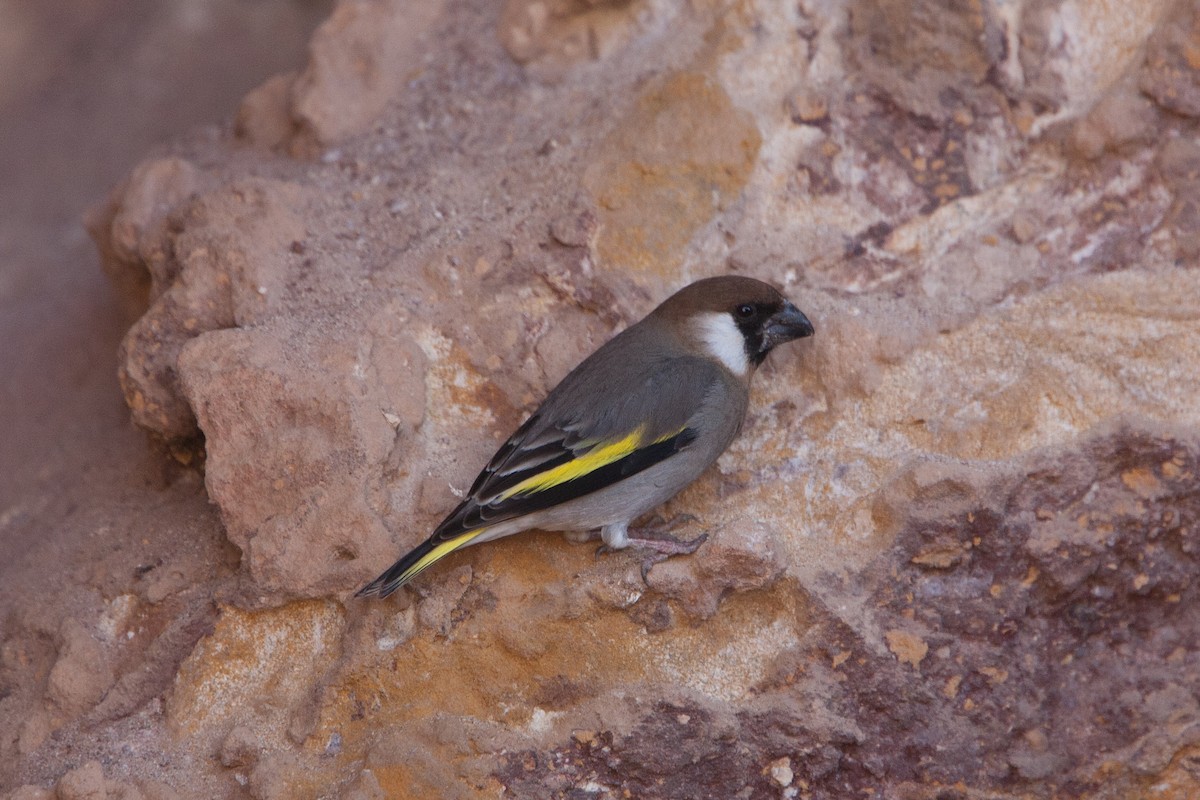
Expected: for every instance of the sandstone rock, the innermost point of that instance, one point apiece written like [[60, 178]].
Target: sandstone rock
[[334, 427], [249, 670], [684, 148], [1171, 75], [1070, 72], [274, 777], [154, 190], [33, 732], [739, 557], [924, 48], [241, 748], [157, 790], [206, 278], [31, 792], [960, 518], [365, 787], [84, 783], [130, 227], [1120, 119], [264, 119], [1179, 166], [124, 791], [440, 609], [358, 59], [157, 662], [558, 33], [83, 672]]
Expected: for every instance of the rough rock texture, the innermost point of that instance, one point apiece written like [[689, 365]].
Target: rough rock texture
[[953, 553]]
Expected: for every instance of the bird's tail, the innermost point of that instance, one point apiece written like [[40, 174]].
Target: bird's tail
[[415, 562]]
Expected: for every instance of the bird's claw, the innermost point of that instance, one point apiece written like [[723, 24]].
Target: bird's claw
[[648, 563], [662, 549]]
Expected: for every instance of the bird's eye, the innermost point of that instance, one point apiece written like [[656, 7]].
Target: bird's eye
[[745, 311]]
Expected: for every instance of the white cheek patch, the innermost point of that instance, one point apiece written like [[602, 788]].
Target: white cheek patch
[[723, 341]]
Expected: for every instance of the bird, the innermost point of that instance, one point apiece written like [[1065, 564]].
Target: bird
[[637, 421]]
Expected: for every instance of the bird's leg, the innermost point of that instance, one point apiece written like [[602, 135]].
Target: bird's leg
[[616, 537]]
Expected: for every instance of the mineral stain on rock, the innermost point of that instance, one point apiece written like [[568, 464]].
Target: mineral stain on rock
[[1061, 661], [686, 151]]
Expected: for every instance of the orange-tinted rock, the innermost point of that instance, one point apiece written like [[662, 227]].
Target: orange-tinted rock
[[685, 150]]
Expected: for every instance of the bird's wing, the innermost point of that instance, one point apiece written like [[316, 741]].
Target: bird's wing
[[584, 438]]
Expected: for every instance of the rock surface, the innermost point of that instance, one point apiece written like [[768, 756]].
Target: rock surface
[[954, 551]]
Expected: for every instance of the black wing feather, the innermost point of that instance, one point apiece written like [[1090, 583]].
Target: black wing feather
[[470, 514]]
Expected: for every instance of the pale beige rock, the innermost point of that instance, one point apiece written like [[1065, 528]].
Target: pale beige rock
[[925, 46], [31, 792], [558, 33], [1170, 75], [83, 783], [124, 791], [438, 609], [781, 771], [334, 427], [686, 149], [34, 731], [264, 118], [1121, 118], [1076, 69], [227, 268], [157, 790], [1179, 165], [154, 190], [130, 227], [358, 59], [83, 672], [739, 557]]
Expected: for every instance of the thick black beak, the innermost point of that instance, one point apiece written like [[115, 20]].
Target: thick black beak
[[784, 325]]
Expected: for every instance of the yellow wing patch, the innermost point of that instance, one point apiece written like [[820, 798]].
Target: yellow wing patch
[[438, 553], [588, 462], [577, 467]]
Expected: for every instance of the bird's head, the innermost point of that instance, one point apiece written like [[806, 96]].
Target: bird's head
[[734, 319]]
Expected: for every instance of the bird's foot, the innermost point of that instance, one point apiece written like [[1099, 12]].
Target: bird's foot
[[668, 545], [663, 548], [657, 539]]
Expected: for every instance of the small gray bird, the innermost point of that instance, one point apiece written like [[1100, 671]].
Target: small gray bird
[[628, 428]]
